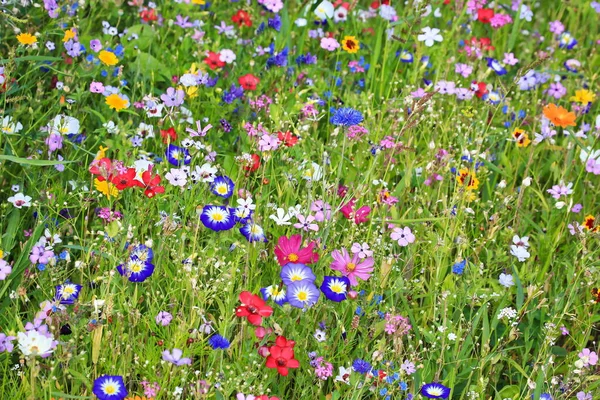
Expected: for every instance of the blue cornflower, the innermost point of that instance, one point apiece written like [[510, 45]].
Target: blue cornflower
[[459, 267], [361, 366], [275, 22], [218, 342], [346, 116], [403, 385], [383, 391]]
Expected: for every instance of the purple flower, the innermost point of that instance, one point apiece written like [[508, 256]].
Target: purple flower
[[556, 90], [95, 45], [292, 273], [54, 142], [557, 27], [173, 97], [163, 318], [40, 255], [175, 357], [6, 343], [463, 69], [576, 208]]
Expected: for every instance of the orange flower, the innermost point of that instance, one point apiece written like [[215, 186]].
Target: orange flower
[[559, 116], [139, 398]]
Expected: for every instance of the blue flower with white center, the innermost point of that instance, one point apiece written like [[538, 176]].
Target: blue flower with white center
[[110, 387], [136, 270], [275, 293], [492, 97], [335, 288], [302, 294], [253, 232], [217, 218], [67, 293], [346, 116], [143, 252], [496, 66], [295, 273], [566, 41], [178, 155], [406, 56], [435, 391], [222, 186], [242, 215]]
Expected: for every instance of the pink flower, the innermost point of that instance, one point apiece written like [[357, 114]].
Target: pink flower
[[359, 216], [268, 142], [352, 268], [404, 236], [305, 224], [5, 269], [291, 251], [499, 20], [96, 87], [329, 43], [593, 166], [322, 210], [509, 59], [588, 357]]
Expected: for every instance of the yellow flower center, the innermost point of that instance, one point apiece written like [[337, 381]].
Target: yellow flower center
[[302, 296], [293, 257], [350, 266]]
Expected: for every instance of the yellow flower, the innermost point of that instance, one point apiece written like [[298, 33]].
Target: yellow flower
[[101, 153], [26, 38], [117, 102], [523, 140], [106, 188], [584, 97], [69, 34], [201, 2], [468, 178], [1, 254], [190, 91], [350, 44], [108, 57]]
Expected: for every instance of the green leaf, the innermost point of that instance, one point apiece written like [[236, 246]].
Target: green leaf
[[26, 161], [8, 239]]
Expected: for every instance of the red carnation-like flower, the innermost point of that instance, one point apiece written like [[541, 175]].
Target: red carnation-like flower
[[168, 135], [253, 307], [282, 356], [242, 18], [152, 184], [248, 81], [148, 14], [213, 60], [102, 168], [290, 251], [288, 138], [251, 167], [484, 15], [126, 179]]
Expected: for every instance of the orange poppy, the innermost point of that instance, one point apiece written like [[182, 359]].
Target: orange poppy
[[559, 116]]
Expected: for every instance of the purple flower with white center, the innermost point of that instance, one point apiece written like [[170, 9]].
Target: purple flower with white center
[[496, 66], [173, 97], [163, 318], [302, 294], [363, 250], [404, 236], [463, 69], [175, 357], [561, 190]]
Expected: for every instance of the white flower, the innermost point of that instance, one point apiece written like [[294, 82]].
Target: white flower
[[344, 375], [227, 56], [205, 173], [320, 335], [246, 204], [452, 336], [506, 280], [111, 127], [387, 12], [33, 343], [520, 252], [527, 181], [430, 36], [300, 22], [281, 218], [521, 241], [593, 154], [145, 130], [8, 126], [324, 10], [176, 177], [340, 15], [20, 200], [314, 173], [526, 13], [64, 125], [188, 80]]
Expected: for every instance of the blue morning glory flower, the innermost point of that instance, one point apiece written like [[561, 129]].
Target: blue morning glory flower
[[217, 218], [335, 288], [222, 186]]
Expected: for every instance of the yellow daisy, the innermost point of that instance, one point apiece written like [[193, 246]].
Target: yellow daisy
[[584, 97], [116, 102], [108, 57], [106, 188], [26, 39], [350, 44]]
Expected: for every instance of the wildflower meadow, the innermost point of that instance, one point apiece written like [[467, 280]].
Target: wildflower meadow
[[298, 199]]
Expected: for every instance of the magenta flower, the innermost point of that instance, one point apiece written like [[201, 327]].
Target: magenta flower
[[352, 268], [588, 357], [175, 357], [404, 236], [305, 223]]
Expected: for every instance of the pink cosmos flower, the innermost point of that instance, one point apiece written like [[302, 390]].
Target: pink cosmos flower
[[404, 236], [329, 43], [352, 268], [305, 223], [291, 251]]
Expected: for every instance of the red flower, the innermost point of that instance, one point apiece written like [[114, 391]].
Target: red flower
[[282, 356], [126, 179], [168, 135], [152, 183], [290, 251], [480, 89], [253, 307], [288, 138], [248, 81], [242, 18], [102, 168], [255, 163], [266, 397], [484, 15], [213, 60], [148, 15], [359, 215]]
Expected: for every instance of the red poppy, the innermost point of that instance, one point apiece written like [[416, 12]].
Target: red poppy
[[253, 307], [288, 138], [126, 179], [291, 251], [282, 356], [102, 168], [266, 397], [484, 15], [248, 81], [168, 135], [242, 18], [480, 89], [213, 60], [251, 167], [152, 184], [148, 14]]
